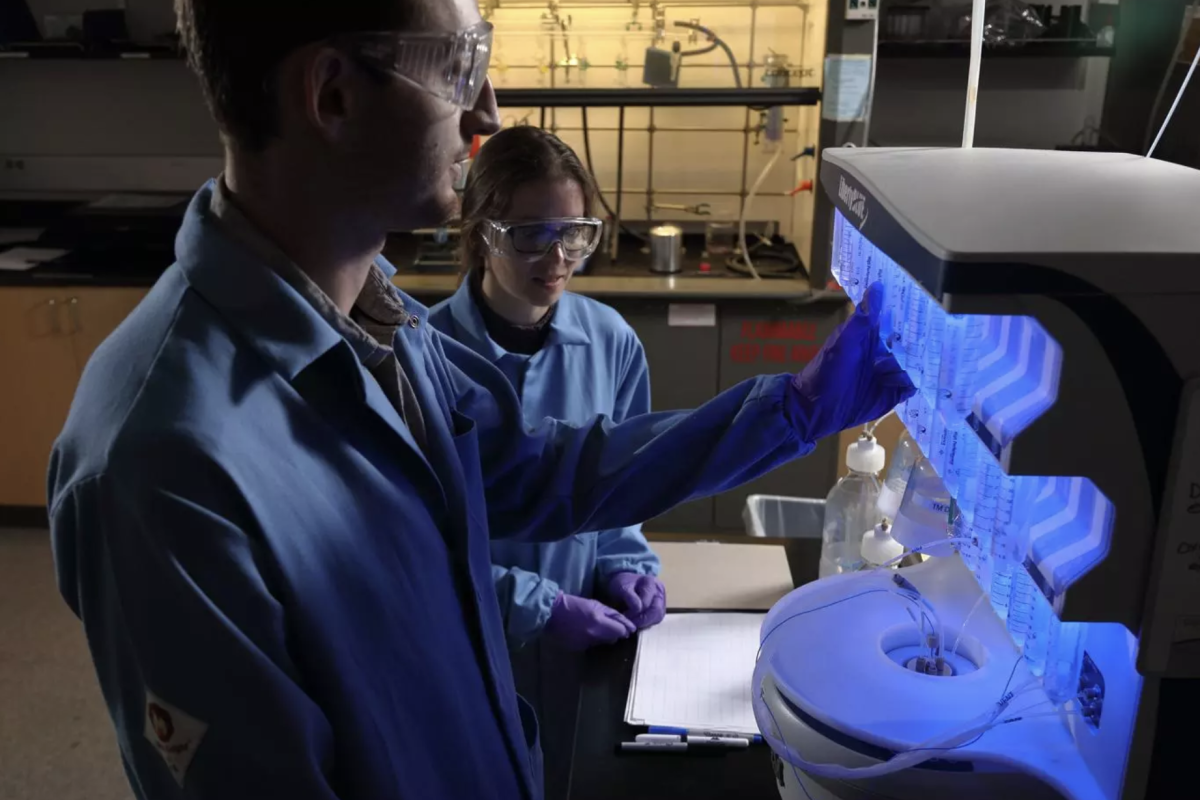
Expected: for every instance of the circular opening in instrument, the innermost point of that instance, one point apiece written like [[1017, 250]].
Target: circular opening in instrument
[[904, 647]]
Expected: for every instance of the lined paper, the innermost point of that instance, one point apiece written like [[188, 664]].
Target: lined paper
[[694, 671]]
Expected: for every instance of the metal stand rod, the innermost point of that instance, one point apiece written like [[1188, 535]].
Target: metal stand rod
[[693, 192], [616, 231], [650, 169], [724, 67], [749, 83], [573, 129]]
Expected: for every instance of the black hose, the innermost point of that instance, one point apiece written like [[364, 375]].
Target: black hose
[[737, 73], [703, 51], [789, 264], [717, 41], [587, 151]]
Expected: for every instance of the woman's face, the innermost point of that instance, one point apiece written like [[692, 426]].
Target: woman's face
[[540, 283]]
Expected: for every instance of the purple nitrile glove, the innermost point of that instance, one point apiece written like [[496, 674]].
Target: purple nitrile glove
[[578, 623], [643, 598], [853, 380]]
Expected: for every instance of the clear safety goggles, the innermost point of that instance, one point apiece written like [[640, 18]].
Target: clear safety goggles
[[452, 66], [533, 239]]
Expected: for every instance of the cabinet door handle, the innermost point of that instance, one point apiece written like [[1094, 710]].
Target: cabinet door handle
[[73, 309], [55, 325]]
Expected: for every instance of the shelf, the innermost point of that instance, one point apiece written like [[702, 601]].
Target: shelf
[[638, 98], [961, 49], [507, 98], [74, 51]]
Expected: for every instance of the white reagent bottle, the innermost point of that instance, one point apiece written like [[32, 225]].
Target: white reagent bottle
[[851, 509]]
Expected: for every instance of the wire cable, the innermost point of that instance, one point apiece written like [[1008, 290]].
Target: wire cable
[[970, 733], [795, 772], [799, 614]]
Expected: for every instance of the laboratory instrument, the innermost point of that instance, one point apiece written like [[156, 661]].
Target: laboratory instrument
[[1051, 335], [894, 485], [879, 548], [720, 237], [924, 514], [666, 249], [851, 509]]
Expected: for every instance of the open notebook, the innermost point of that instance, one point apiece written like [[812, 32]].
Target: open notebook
[[694, 671]]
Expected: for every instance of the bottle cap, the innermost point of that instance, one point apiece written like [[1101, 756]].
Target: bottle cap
[[866, 455], [878, 546]]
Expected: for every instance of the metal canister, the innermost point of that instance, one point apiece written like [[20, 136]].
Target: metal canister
[[666, 249]]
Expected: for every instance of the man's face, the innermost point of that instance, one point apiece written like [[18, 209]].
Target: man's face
[[404, 151]]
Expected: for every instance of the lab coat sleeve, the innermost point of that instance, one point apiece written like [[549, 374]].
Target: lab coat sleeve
[[526, 600], [558, 479], [626, 549], [181, 615]]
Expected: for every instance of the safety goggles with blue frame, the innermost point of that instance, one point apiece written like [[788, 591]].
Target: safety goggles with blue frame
[[531, 240]]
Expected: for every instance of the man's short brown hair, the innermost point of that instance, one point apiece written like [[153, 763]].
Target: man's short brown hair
[[235, 48]]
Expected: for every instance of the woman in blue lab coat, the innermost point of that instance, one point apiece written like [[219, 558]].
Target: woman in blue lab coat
[[526, 226]]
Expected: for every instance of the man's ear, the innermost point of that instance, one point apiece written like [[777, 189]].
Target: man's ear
[[328, 98]]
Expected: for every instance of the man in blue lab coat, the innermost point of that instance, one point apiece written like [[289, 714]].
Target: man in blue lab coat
[[271, 503]]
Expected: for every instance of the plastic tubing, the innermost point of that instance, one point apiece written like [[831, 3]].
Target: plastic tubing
[[1170, 113], [978, 12], [923, 548], [966, 621], [762, 176], [903, 760]]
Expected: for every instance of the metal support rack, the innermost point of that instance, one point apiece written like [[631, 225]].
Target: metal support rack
[[546, 101], [622, 99]]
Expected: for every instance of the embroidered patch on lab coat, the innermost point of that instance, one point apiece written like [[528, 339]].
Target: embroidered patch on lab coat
[[173, 733]]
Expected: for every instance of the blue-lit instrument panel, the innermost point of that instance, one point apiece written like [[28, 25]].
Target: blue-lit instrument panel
[[982, 380]]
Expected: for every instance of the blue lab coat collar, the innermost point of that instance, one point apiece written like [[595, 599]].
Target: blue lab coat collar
[[565, 329], [270, 315]]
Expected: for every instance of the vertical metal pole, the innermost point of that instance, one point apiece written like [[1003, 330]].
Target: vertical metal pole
[[650, 170], [746, 135], [553, 73], [616, 231]]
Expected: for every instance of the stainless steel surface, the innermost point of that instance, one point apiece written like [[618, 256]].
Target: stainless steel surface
[[666, 249]]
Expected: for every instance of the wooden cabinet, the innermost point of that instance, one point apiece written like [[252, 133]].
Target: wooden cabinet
[[46, 337], [95, 313]]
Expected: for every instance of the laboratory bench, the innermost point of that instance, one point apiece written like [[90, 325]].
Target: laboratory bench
[[703, 332], [598, 771]]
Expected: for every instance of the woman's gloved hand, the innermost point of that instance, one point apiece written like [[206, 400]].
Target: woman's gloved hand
[[642, 598], [853, 380], [577, 623]]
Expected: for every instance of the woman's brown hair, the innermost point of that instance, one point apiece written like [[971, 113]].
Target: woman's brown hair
[[510, 159]]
